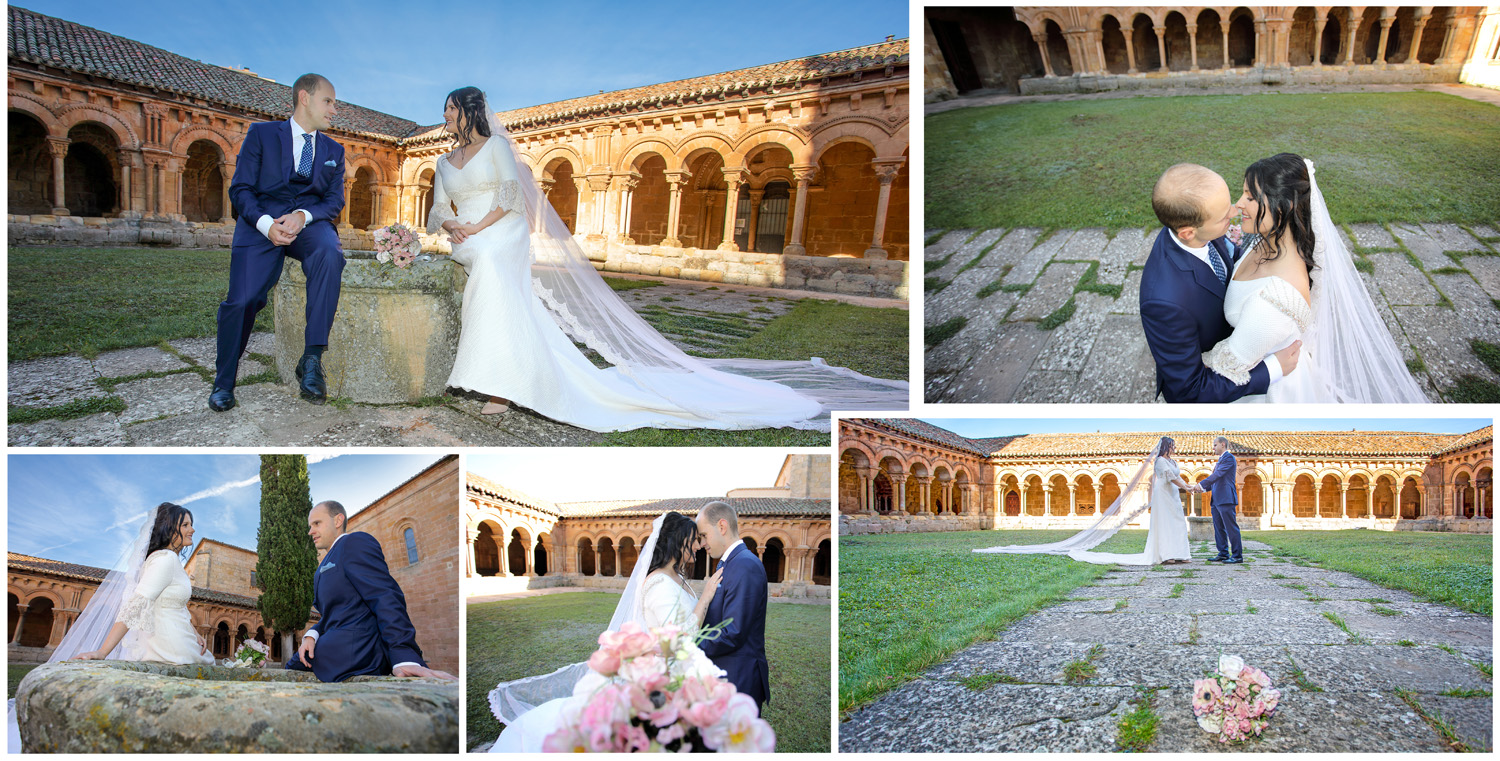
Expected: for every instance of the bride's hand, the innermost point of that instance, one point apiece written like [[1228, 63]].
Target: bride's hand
[[711, 584], [1288, 358], [460, 232], [92, 655], [202, 645]]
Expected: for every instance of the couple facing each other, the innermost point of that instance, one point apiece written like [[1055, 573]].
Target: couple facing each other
[[659, 594], [1281, 316], [1167, 534], [531, 291]]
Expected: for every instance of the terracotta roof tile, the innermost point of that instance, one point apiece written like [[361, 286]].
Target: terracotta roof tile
[[1481, 436], [16, 560], [482, 485], [638, 507], [54, 42], [929, 432]]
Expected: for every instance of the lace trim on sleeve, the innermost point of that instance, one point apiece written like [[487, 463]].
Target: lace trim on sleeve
[[1222, 360], [506, 194], [1282, 296], [139, 614], [441, 212]]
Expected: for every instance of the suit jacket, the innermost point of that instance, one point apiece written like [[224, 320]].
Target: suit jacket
[[741, 648], [364, 628], [1182, 312], [1221, 482], [263, 179]]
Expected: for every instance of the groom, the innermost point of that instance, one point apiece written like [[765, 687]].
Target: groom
[[739, 603], [1182, 290], [363, 627], [287, 191], [1225, 499]]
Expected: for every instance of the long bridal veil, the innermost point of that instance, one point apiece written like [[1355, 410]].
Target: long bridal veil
[[1134, 499], [511, 699], [728, 393], [1355, 357]]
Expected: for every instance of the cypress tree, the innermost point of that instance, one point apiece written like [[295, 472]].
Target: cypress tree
[[287, 558]]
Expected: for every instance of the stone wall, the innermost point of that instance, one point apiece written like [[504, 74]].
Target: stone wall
[[860, 277], [484, 586], [857, 524], [134, 229], [222, 567], [1220, 78]]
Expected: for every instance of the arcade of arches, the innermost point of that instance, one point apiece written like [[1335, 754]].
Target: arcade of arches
[[1060, 49], [714, 178], [516, 542], [907, 475]]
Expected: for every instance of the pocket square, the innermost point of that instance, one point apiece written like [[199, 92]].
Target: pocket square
[[325, 567], [330, 162]]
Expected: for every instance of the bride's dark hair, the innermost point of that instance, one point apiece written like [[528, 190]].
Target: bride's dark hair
[[1282, 188], [169, 520], [473, 116], [677, 534], [1166, 445]]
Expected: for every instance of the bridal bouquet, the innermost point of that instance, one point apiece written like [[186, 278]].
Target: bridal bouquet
[[250, 655], [396, 244], [655, 691], [1236, 702]]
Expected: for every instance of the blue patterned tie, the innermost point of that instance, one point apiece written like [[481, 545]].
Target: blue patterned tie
[[304, 164], [1218, 264]]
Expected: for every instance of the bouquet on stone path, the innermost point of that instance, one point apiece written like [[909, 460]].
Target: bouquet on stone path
[[1236, 702], [251, 655], [397, 244], [655, 691]]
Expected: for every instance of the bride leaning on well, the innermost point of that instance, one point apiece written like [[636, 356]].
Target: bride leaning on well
[[139, 612], [532, 292]]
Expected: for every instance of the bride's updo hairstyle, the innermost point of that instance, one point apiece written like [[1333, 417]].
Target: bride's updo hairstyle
[[473, 117], [1165, 446], [1282, 188], [169, 520], [676, 537]]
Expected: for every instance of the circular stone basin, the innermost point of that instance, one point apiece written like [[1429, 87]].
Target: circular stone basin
[[395, 333], [1200, 528], [126, 706]]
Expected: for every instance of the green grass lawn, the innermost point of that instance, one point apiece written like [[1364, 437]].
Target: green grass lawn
[[1452, 569], [865, 339], [14, 673], [907, 602], [89, 300], [511, 639], [1381, 157]]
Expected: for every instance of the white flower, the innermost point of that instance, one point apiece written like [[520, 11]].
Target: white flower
[[1231, 666], [384, 257], [1211, 723]]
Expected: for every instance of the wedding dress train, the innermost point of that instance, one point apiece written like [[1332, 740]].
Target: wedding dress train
[[1167, 537]]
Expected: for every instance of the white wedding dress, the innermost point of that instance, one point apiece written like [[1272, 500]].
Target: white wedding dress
[[664, 602], [157, 614], [1167, 537], [532, 292], [1268, 314]]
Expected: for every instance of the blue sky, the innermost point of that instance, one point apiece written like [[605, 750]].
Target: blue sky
[[403, 57], [78, 508], [564, 475], [974, 428]]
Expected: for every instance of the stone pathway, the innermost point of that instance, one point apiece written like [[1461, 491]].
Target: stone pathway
[[158, 396], [1026, 319], [1156, 631]]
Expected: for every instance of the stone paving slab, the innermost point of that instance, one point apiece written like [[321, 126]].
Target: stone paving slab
[[1073, 341], [101, 430], [1486, 270], [1440, 336], [945, 245], [1372, 235], [1472, 304], [1128, 247], [157, 397], [1454, 630], [1120, 368], [1472, 718], [997, 370], [960, 297], [1050, 292], [51, 382], [1451, 237], [1400, 282], [965, 253], [1122, 627], [1012, 247], [125, 362], [1422, 245], [1358, 668], [1305, 722], [1031, 264], [1088, 244]]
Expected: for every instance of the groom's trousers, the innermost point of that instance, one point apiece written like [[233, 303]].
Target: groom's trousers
[[254, 269], [1227, 531]]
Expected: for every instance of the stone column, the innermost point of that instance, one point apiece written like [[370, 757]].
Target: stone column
[[126, 203], [1041, 42], [1193, 44], [1224, 27], [1385, 33], [598, 561], [1161, 45], [1352, 26], [1318, 23], [901, 497], [1024, 491], [886, 169], [627, 200], [1370, 500], [59, 628], [924, 494], [1418, 23], [1072, 500], [1129, 49], [675, 181], [471, 537], [20, 623], [1451, 53], [1344, 495], [1047, 501], [803, 174], [58, 147], [732, 178], [1098, 37], [226, 172], [755, 195], [344, 212]]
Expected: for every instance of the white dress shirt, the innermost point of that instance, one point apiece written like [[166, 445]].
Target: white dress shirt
[[725, 556], [1273, 365], [264, 223], [314, 632]]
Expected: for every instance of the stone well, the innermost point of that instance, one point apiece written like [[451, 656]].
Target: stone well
[[1200, 528], [395, 333], [125, 706]]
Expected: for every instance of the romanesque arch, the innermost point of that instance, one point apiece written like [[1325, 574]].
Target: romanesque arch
[[204, 186], [30, 169], [541, 554], [1242, 48], [608, 560], [586, 557], [773, 557], [650, 201], [487, 543], [516, 551], [72, 115], [822, 568], [629, 554], [560, 185], [360, 206], [91, 170]]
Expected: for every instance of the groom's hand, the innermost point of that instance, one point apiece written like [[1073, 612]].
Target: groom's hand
[[419, 671], [1288, 357], [305, 653]]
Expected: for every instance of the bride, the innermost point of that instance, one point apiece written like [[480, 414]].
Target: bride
[[1298, 281], [532, 292], [658, 594], [139, 612], [1167, 539]]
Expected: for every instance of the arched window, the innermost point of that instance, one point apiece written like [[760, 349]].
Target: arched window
[[411, 546]]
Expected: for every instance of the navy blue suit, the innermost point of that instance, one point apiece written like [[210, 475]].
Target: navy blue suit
[[741, 648], [363, 626], [266, 183], [1225, 499], [1182, 312]]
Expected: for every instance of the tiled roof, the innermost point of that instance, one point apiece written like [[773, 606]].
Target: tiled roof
[[48, 41], [15, 560], [489, 488], [821, 508], [726, 85], [929, 432], [1481, 436]]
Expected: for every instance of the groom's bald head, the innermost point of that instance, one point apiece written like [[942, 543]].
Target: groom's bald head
[[1192, 201]]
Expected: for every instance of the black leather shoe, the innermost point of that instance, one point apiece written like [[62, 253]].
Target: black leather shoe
[[310, 379], [221, 400], [1218, 559], [1229, 561]]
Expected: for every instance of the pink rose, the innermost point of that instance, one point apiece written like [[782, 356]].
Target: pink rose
[[605, 661], [565, 740], [647, 671], [742, 730], [1206, 694], [630, 641], [630, 738], [669, 734]]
